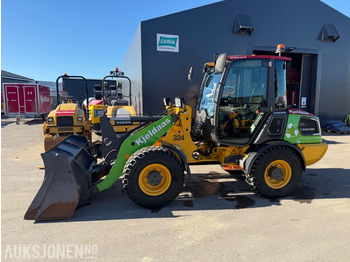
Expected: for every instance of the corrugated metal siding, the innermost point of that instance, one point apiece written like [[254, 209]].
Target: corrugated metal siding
[[209, 29]]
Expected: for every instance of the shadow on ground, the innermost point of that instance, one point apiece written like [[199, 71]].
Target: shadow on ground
[[35, 121], [214, 191], [4, 123], [328, 141]]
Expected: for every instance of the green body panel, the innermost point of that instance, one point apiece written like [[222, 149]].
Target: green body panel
[[293, 135], [145, 137]]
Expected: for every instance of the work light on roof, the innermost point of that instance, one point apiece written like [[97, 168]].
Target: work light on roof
[[280, 48]]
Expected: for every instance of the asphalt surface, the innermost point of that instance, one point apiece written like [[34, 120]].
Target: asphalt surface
[[216, 218]]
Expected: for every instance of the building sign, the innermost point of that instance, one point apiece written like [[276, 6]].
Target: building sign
[[167, 43]]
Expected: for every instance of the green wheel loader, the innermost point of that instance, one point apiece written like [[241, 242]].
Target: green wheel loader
[[242, 122]]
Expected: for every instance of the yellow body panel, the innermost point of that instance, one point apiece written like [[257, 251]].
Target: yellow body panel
[[112, 109], [313, 152], [65, 107], [95, 112], [209, 64], [53, 134], [179, 136], [68, 106], [122, 128]]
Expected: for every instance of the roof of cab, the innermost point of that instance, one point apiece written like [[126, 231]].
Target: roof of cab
[[238, 57]]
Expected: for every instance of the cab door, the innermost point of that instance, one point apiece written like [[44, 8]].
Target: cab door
[[244, 93], [251, 89]]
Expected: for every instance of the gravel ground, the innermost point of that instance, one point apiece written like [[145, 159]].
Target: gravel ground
[[216, 218]]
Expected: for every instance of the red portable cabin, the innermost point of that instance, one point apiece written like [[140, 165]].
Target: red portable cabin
[[28, 100]]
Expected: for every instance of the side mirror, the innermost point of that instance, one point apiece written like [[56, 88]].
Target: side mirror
[[179, 102], [167, 101], [189, 73], [220, 63]]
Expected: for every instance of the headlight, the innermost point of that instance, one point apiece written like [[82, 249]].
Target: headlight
[[50, 119], [80, 119]]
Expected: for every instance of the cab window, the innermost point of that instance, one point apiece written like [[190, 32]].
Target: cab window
[[207, 100], [280, 84], [243, 94]]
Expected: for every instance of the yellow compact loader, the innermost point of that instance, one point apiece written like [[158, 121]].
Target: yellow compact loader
[[69, 118], [153, 159]]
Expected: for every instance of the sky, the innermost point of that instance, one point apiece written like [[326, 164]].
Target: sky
[[42, 39]]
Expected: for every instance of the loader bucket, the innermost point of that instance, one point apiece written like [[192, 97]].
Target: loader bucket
[[67, 181]]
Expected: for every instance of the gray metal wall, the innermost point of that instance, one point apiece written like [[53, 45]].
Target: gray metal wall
[[132, 68], [207, 30]]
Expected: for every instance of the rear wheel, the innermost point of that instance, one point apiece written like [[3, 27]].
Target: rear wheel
[[153, 177], [275, 173]]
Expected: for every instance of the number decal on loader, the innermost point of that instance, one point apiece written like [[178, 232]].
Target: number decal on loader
[[178, 137]]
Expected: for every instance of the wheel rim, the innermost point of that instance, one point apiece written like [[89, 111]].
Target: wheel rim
[[155, 179], [278, 174]]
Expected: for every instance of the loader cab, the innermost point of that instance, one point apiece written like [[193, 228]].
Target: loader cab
[[234, 102]]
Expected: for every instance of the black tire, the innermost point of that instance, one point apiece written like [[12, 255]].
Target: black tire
[[270, 175], [134, 177]]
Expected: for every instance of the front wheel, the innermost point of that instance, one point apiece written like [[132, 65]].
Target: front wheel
[[153, 177], [275, 173]]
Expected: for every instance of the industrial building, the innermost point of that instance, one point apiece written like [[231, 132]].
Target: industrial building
[[316, 37], [8, 77]]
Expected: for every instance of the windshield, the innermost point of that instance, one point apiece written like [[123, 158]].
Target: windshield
[[243, 94], [207, 100], [246, 81]]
